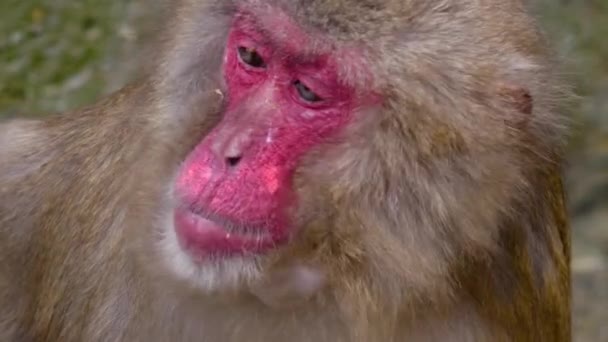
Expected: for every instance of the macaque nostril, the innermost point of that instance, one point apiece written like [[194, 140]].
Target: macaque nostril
[[233, 161]]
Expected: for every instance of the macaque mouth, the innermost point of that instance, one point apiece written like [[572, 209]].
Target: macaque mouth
[[205, 236], [230, 226]]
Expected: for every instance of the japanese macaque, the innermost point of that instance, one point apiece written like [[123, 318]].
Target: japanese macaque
[[316, 170]]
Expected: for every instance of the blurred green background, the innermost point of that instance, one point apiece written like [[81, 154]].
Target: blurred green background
[[60, 54]]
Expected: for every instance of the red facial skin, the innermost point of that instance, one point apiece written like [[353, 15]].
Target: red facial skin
[[233, 207]]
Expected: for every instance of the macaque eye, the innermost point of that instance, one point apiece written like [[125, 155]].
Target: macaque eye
[[251, 57], [305, 93]]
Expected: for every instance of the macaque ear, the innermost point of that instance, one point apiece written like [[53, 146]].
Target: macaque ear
[[518, 97]]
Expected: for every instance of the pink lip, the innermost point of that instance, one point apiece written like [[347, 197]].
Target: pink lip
[[203, 238]]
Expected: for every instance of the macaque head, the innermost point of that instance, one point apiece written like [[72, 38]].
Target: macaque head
[[363, 144], [284, 96], [236, 189]]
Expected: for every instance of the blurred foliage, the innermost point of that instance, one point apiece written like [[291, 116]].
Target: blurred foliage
[[579, 30], [54, 54], [60, 54]]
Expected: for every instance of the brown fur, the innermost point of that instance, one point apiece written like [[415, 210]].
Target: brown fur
[[441, 219]]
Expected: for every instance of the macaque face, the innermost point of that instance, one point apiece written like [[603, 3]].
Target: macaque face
[[234, 191]]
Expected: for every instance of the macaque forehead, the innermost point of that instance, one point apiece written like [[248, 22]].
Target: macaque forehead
[[306, 47], [280, 30]]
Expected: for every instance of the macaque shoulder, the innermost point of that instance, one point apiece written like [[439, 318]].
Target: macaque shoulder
[[23, 150]]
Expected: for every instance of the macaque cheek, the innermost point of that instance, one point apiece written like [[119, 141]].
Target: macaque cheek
[[196, 171]]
